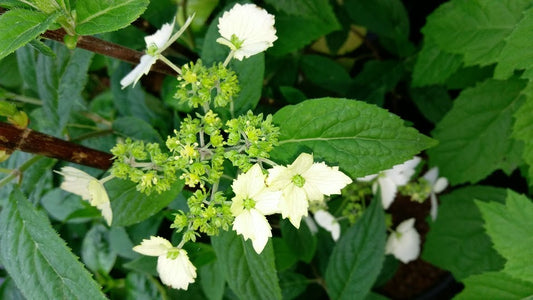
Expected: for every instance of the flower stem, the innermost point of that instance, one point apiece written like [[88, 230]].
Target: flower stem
[[170, 64], [17, 172], [228, 59]]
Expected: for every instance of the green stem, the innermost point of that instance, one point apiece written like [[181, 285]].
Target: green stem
[[17, 172], [169, 63], [228, 59], [21, 98]]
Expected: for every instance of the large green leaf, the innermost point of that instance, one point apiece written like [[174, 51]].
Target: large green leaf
[[249, 275], [356, 261], [510, 228], [97, 16], [360, 138], [19, 26], [475, 28], [523, 129], [37, 259], [301, 241], [130, 206], [298, 23], [213, 280], [475, 134], [495, 285], [434, 66], [432, 101], [457, 240]]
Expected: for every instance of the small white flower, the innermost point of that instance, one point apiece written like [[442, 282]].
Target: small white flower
[[252, 202], [438, 184], [247, 30], [304, 181], [173, 264], [389, 180], [404, 243], [89, 188], [329, 223], [155, 45]]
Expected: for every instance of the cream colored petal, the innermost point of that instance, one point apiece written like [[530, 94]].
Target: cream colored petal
[[312, 192], [141, 69], [434, 207], [405, 245], [177, 273], [301, 164], [107, 213], [406, 225], [279, 177], [100, 199], [440, 185], [248, 184], [155, 246], [267, 202], [388, 191], [253, 225], [328, 180], [160, 37], [400, 174], [294, 205], [432, 175], [327, 221], [311, 224], [367, 178], [76, 182]]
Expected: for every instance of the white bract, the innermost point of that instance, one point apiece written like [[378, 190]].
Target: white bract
[[389, 180], [155, 45], [327, 221], [304, 181], [173, 264], [247, 30], [89, 188], [404, 242], [438, 184], [252, 202]]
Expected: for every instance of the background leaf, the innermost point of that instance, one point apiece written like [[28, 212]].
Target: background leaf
[[96, 251], [360, 138], [130, 206], [457, 240], [37, 259], [433, 65], [136, 129], [495, 285], [475, 134], [301, 241], [356, 260], [19, 26], [510, 228], [98, 16], [249, 275]]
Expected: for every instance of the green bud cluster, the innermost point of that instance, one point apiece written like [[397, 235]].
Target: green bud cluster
[[202, 86], [206, 216], [354, 196], [250, 138], [144, 164], [419, 191]]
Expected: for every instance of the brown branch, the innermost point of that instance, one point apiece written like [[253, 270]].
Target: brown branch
[[14, 138]]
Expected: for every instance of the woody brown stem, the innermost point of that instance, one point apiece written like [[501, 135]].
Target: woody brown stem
[[24, 139]]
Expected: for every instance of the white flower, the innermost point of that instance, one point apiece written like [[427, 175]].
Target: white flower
[[173, 264], [252, 201], [304, 181], [329, 223], [438, 184], [155, 44], [404, 243], [89, 188], [247, 30], [390, 180]]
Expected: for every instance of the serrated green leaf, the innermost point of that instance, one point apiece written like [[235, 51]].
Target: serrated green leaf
[[301, 241], [96, 251], [285, 257], [375, 80], [36, 257], [139, 287], [361, 138], [457, 240], [434, 66], [60, 204], [298, 23], [249, 275], [213, 280], [292, 284], [98, 16], [387, 18], [515, 54], [432, 101], [510, 228], [326, 73], [137, 129], [475, 28], [8, 290], [356, 260], [523, 129], [475, 134], [468, 77], [495, 285], [130, 206], [19, 26], [10, 73]]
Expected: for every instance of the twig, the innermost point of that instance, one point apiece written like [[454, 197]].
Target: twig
[[13, 138]]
